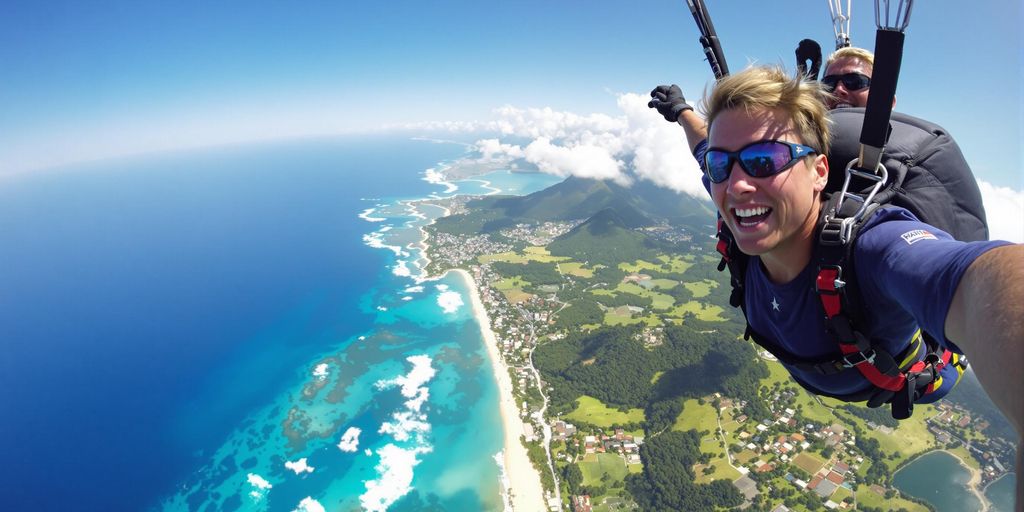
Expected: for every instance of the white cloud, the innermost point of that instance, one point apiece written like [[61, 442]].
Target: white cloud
[[412, 382], [396, 472], [320, 372], [258, 481], [413, 289], [580, 160], [493, 149], [449, 301], [661, 153], [308, 504], [1004, 210], [299, 466], [350, 440]]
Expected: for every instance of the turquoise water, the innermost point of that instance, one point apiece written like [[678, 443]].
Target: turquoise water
[[1000, 493], [240, 329], [939, 479]]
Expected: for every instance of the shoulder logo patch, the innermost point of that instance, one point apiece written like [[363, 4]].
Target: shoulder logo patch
[[912, 237]]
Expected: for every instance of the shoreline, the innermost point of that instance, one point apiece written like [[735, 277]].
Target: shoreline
[[524, 492], [971, 485]]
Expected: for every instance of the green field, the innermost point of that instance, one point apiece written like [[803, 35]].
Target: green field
[[696, 416], [510, 283], [663, 284], [809, 462], [596, 465], [660, 300], [529, 254], [575, 269], [592, 411], [708, 313], [868, 498], [701, 289]]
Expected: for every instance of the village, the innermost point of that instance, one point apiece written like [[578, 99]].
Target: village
[[787, 459]]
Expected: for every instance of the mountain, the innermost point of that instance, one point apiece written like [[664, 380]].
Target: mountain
[[580, 198], [605, 238]]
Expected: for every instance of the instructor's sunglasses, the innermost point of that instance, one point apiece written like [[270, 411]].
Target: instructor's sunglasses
[[758, 159], [851, 81]]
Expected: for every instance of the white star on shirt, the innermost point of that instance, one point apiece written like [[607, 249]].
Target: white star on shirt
[[775, 304]]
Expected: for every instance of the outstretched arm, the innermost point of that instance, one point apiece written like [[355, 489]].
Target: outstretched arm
[[670, 103], [986, 320]]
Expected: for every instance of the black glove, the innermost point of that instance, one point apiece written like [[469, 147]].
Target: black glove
[[669, 101], [808, 50]]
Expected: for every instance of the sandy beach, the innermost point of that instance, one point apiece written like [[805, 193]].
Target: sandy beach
[[972, 484], [526, 492]]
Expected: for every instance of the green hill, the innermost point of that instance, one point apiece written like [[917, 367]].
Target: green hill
[[604, 239]]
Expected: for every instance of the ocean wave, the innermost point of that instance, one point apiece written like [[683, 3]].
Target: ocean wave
[[413, 289], [435, 177], [365, 215], [376, 241], [401, 269]]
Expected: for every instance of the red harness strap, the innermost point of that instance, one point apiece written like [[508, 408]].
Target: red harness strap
[[828, 283]]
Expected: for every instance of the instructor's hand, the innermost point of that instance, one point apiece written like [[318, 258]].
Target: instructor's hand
[[669, 101]]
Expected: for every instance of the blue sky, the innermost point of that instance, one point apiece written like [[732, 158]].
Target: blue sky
[[82, 80]]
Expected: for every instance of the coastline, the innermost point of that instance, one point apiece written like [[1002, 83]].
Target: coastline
[[972, 484], [524, 492]]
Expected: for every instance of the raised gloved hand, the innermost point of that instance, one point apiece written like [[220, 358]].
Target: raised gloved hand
[[669, 101], [808, 50]]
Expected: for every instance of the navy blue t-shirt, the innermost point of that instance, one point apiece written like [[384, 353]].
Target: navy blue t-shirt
[[907, 272]]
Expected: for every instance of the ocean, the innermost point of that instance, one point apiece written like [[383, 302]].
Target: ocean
[[242, 328]]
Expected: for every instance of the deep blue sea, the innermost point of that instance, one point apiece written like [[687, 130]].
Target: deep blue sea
[[242, 329]]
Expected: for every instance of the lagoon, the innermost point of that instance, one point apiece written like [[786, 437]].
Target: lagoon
[[939, 479]]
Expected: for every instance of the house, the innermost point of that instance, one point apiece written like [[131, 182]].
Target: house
[[581, 503]]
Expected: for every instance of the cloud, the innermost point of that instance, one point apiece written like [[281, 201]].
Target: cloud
[[1004, 209], [449, 301], [396, 472], [299, 466], [350, 440], [637, 145], [308, 504], [258, 481], [320, 372], [395, 469], [585, 161]]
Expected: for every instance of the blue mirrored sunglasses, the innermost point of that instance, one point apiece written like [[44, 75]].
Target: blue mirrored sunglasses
[[758, 159]]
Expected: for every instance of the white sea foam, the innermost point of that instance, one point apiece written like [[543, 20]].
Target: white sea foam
[[365, 215], [350, 440], [437, 178], [368, 452], [401, 269], [299, 466], [376, 240], [320, 372], [441, 287], [308, 504], [411, 383], [258, 481], [449, 301], [396, 472], [385, 229], [413, 289], [381, 308], [407, 298]]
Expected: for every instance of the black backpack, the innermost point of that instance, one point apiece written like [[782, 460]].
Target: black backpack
[[927, 175]]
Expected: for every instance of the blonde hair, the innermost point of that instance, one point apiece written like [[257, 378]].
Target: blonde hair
[[762, 88], [853, 53]]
